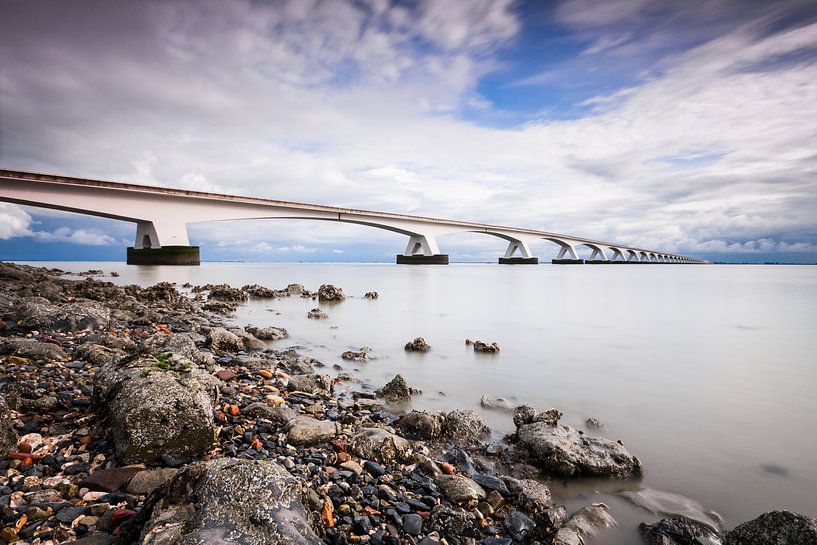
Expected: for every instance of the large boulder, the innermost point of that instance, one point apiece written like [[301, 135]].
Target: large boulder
[[39, 313], [396, 390], [156, 408], [775, 528], [586, 523], [328, 292], [678, 531], [8, 436], [565, 451], [183, 344], [30, 348], [245, 502]]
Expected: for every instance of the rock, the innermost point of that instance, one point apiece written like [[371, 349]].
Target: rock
[[155, 412], [311, 384], [396, 390], [594, 424], [226, 375], [222, 340], [413, 524], [259, 292], [587, 522], [417, 345], [379, 445], [317, 314], [678, 531], [328, 292], [493, 402], [144, 482], [567, 452], [8, 436], [550, 417], [29, 348], [305, 430], [262, 410], [371, 295], [183, 344], [268, 333], [460, 489], [295, 289], [533, 498], [465, 426], [94, 539], [491, 348], [361, 355], [38, 313], [109, 480], [775, 528], [659, 502], [226, 501], [519, 526], [422, 425], [524, 414], [224, 292]]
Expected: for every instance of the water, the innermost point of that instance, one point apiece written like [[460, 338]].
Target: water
[[707, 373]]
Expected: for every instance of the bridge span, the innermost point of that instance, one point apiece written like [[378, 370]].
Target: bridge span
[[161, 216]]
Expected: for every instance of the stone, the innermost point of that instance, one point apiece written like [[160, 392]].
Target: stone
[[295, 289], [532, 497], [144, 482], [594, 424], [550, 417], [396, 390], [222, 340], [465, 426], [419, 344], [491, 348], [93, 539], [311, 384], [586, 523], [519, 525], [359, 355], [460, 489], [379, 445], [268, 333], [566, 452], [494, 402], [305, 430], [775, 528], [317, 314], [678, 531], [225, 501], [8, 435], [412, 524], [524, 414], [659, 502], [183, 344], [422, 425], [489, 482], [30, 348], [109, 480], [328, 292], [154, 412], [38, 313], [371, 295]]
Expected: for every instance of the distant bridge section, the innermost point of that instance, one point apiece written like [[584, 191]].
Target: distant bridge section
[[161, 216]]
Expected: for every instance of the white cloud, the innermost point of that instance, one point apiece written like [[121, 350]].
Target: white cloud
[[79, 236], [14, 221]]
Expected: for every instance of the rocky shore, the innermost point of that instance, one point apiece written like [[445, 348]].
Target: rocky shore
[[142, 415]]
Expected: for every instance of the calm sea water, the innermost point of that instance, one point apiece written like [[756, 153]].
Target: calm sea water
[[707, 373]]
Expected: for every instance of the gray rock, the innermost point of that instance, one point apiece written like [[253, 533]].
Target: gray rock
[[594, 424], [419, 344], [93, 539], [422, 425], [317, 314], [262, 410], [678, 531], [519, 526], [524, 414], [154, 412], [38, 313], [97, 354], [567, 452], [311, 384], [356, 355], [295, 289], [587, 522], [494, 402], [144, 482], [30, 348], [223, 340], [379, 445], [459, 489], [184, 344], [533, 498], [328, 292], [465, 426], [305, 430], [775, 528], [268, 333], [396, 390], [246, 502], [8, 436], [659, 502], [550, 417]]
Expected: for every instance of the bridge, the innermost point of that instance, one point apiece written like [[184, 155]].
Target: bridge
[[161, 216]]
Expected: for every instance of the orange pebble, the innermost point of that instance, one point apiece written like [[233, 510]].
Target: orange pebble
[[327, 514], [448, 469], [232, 409], [85, 440], [264, 373]]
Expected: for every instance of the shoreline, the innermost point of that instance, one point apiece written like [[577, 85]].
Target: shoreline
[[261, 401]]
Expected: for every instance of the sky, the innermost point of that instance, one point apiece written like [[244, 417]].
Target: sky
[[688, 127]]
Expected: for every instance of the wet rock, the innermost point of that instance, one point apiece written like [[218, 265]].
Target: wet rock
[[379, 445], [412, 524], [533, 498], [594, 424], [30, 348], [328, 292], [259, 292], [360, 355], [224, 292], [678, 531], [465, 426], [295, 289], [262, 410], [480, 346], [249, 502], [587, 522], [305, 430], [317, 314], [423, 425], [524, 414], [417, 345], [38, 313], [268, 333], [311, 384], [519, 525], [8, 436], [567, 452], [109, 480], [494, 402], [183, 344], [222, 340], [154, 411], [396, 390], [489, 482], [460, 489], [659, 502], [144, 482], [371, 295], [550, 417], [775, 528]]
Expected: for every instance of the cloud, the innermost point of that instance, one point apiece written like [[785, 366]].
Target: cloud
[[14, 221], [79, 236], [296, 249]]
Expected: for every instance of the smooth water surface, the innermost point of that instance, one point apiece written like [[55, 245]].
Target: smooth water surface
[[707, 373]]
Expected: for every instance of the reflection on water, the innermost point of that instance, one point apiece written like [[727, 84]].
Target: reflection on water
[[707, 373]]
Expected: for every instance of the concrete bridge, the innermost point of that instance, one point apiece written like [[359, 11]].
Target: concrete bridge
[[161, 216]]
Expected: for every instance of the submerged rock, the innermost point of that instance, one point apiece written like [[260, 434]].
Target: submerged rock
[[360, 355], [567, 452], [678, 531], [587, 522], [396, 390], [419, 344], [659, 502], [268, 333], [247, 502], [494, 402], [328, 292], [317, 314], [371, 295], [594, 424], [775, 528], [480, 346]]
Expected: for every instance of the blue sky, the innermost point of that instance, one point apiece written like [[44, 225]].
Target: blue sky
[[687, 127]]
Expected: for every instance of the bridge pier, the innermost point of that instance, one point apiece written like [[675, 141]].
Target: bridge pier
[[518, 261], [422, 250], [166, 255], [438, 259], [567, 261]]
